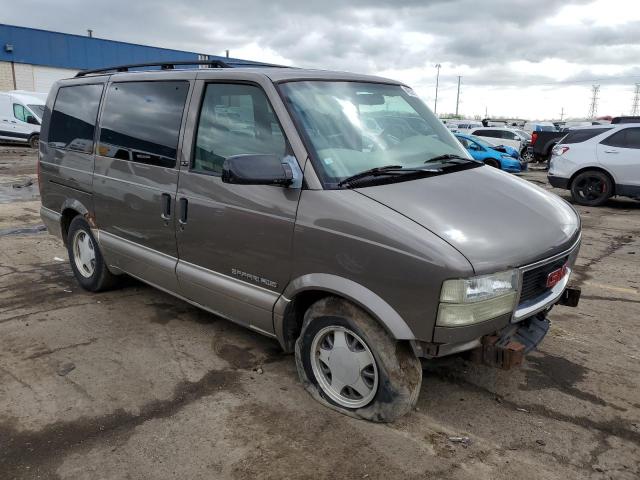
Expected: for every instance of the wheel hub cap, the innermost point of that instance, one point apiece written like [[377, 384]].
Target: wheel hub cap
[[344, 367], [84, 253]]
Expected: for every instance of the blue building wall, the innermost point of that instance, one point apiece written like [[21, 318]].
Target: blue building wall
[[62, 50]]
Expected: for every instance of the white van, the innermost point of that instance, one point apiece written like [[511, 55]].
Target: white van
[[20, 116]]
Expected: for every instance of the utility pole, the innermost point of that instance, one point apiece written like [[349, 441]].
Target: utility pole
[[226, 53], [458, 95], [435, 104], [561, 113], [593, 107], [635, 106]]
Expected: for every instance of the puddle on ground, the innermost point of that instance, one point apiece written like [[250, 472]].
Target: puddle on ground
[[10, 194], [28, 230]]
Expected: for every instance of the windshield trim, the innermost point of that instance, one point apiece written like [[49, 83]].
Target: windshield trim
[[312, 154]]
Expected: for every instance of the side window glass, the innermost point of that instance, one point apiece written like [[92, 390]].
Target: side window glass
[[235, 120], [618, 139], [19, 112], [633, 138], [141, 121], [73, 120]]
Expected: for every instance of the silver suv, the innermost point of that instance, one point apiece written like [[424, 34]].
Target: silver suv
[[330, 211]]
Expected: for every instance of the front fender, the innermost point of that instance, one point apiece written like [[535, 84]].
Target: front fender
[[345, 288]]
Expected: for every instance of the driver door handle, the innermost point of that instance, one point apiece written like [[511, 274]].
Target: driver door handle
[[184, 210], [166, 207], [611, 151]]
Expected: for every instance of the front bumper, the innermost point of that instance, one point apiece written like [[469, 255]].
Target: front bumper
[[506, 347]]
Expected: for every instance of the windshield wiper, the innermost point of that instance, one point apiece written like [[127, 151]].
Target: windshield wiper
[[390, 170], [452, 158]]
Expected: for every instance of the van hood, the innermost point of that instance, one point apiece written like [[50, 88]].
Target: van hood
[[496, 220]]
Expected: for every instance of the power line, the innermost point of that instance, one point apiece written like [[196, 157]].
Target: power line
[[635, 106], [458, 95], [593, 107]]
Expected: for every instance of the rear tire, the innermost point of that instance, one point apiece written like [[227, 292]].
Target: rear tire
[[34, 141], [349, 363], [591, 188], [86, 259], [527, 155]]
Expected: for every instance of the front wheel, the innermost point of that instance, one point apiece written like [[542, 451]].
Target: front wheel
[[34, 140], [492, 163], [591, 188], [349, 363]]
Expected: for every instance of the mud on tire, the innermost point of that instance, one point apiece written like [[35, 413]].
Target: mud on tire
[[399, 371]]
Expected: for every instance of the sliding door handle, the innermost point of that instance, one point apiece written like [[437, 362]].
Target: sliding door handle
[[166, 207], [184, 211]]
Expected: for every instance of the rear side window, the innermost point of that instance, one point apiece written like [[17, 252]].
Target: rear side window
[[627, 138], [73, 120], [235, 120], [141, 121], [579, 136], [487, 133]]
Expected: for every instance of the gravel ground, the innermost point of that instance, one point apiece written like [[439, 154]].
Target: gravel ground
[[136, 384]]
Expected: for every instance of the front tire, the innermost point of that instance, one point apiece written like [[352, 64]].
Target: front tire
[[591, 188], [34, 141], [349, 363], [492, 163], [86, 259]]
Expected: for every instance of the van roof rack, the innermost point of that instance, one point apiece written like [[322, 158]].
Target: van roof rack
[[172, 65]]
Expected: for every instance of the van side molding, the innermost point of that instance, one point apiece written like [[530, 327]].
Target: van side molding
[[348, 289]]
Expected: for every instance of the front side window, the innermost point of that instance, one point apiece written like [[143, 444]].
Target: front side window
[[487, 133], [627, 138], [141, 121], [37, 109], [73, 120], [355, 126], [20, 112], [235, 119]]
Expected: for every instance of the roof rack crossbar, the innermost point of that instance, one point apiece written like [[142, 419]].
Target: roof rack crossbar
[[162, 65]]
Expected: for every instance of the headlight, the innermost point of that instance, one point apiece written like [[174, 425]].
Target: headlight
[[476, 299]]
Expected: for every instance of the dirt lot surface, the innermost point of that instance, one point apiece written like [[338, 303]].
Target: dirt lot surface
[[136, 384]]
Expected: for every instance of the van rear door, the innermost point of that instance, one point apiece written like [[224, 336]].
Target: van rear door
[[7, 122], [136, 176]]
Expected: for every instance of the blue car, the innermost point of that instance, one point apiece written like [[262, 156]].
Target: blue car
[[503, 157]]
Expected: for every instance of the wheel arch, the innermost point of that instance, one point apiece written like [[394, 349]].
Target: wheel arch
[[301, 293], [596, 168], [70, 209]]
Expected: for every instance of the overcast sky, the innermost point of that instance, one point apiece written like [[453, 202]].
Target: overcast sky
[[518, 58]]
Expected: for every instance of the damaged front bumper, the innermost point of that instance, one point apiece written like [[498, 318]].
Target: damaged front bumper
[[505, 347]]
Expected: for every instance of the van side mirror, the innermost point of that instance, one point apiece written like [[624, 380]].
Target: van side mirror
[[256, 169], [32, 120]]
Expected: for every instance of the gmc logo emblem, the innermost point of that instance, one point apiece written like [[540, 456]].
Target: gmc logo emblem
[[554, 277]]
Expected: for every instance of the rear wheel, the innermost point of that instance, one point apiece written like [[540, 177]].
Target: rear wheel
[[349, 363], [34, 140], [86, 258], [492, 163], [591, 188], [527, 155]]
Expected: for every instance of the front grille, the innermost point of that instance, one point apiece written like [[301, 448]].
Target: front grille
[[534, 281]]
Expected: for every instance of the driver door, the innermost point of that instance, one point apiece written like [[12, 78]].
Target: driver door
[[234, 241]]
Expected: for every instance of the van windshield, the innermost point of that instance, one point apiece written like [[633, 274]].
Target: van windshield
[[351, 127]]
